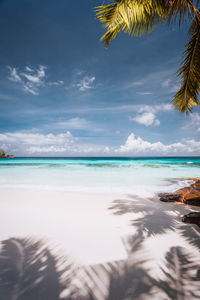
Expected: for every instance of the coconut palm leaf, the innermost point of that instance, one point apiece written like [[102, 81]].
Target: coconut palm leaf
[[141, 16], [182, 9], [135, 17], [187, 97]]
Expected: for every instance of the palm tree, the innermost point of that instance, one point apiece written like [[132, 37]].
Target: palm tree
[[137, 17]]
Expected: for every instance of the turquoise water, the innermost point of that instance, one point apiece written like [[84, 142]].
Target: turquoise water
[[100, 161], [139, 175]]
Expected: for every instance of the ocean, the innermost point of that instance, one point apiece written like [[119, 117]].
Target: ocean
[[143, 176]]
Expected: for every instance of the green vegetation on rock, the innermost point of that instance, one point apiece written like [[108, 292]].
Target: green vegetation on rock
[[2, 153]]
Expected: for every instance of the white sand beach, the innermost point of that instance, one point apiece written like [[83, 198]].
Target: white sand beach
[[83, 226]]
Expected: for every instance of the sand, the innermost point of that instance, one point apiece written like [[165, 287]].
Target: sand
[[100, 228]]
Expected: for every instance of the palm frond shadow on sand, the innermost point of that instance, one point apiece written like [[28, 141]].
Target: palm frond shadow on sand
[[153, 221], [180, 280], [29, 271], [156, 218], [191, 233], [181, 275]]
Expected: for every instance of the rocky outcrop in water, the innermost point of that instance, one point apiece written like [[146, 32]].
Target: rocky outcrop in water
[[7, 156], [188, 195]]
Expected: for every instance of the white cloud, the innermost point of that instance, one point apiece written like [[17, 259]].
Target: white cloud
[[166, 83], [195, 119], [155, 108], [27, 68], [106, 149], [50, 149], [136, 145], [32, 79], [193, 122], [147, 119], [175, 88], [28, 143], [33, 143], [38, 74], [157, 122], [29, 89], [34, 138], [77, 123], [144, 93], [140, 108], [135, 83], [55, 83], [172, 86], [147, 114], [85, 83], [13, 75], [41, 71]]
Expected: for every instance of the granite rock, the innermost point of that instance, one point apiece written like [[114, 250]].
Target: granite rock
[[192, 218], [188, 195]]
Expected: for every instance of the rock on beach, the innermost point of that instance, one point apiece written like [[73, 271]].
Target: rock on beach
[[188, 195]]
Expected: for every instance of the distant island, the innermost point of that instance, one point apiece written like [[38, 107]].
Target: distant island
[[3, 155]]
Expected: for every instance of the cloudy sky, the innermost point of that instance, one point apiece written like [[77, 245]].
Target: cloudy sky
[[63, 94]]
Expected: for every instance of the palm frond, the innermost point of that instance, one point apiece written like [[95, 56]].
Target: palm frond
[[111, 34], [134, 17], [182, 9], [187, 97]]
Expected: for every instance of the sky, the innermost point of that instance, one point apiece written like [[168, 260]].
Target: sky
[[63, 94]]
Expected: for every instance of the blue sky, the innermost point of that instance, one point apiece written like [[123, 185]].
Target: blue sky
[[63, 94]]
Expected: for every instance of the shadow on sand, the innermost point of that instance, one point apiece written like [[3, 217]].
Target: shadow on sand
[[29, 270], [157, 218]]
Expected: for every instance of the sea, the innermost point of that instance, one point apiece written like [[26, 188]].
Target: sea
[[143, 176]]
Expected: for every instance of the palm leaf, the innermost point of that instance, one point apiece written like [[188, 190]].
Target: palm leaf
[[182, 9], [187, 97], [135, 17]]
